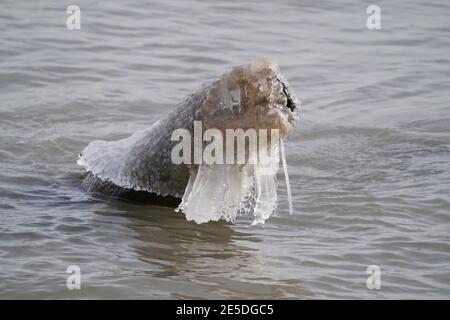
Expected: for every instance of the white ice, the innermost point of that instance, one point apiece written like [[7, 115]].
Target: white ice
[[224, 191]]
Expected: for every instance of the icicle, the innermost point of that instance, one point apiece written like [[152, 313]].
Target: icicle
[[266, 186], [286, 176], [222, 191]]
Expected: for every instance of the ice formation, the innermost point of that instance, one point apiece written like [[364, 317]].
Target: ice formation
[[223, 191], [286, 176], [254, 96], [107, 159]]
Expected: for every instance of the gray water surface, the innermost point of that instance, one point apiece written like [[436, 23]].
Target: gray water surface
[[368, 162]]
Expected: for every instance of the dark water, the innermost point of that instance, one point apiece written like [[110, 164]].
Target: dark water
[[369, 161]]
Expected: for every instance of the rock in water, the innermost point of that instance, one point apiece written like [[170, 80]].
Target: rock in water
[[254, 96]]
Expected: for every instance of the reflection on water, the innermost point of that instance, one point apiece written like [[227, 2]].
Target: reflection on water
[[368, 161], [215, 257]]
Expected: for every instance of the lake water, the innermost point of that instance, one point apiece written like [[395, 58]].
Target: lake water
[[369, 161]]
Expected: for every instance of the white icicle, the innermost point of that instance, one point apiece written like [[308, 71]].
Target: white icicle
[[286, 176]]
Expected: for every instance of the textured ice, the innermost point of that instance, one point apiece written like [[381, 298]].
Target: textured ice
[[250, 96], [107, 160], [286, 176], [223, 191]]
